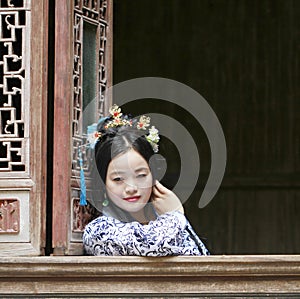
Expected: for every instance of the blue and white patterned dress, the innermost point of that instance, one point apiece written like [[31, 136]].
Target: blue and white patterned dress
[[168, 234]]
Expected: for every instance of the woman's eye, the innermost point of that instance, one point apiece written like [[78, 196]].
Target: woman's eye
[[141, 175], [118, 179]]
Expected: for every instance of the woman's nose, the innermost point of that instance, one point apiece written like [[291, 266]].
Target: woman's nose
[[130, 187]]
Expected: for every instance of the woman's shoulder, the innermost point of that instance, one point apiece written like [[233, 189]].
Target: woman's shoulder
[[103, 222]]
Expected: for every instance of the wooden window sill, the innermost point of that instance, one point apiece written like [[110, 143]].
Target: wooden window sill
[[137, 276]]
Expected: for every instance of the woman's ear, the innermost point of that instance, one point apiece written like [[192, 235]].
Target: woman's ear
[[158, 166]]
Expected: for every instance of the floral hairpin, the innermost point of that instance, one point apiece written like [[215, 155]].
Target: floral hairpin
[[117, 120]]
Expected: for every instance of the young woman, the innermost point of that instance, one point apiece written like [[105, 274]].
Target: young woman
[[140, 215]]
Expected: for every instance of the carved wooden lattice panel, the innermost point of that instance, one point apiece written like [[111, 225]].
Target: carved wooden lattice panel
[[14, 217], [14, 117], [89, 16], [14, 88], [9, 216], [23, 122]]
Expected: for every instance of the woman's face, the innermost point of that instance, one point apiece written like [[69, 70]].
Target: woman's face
[[129, 181]]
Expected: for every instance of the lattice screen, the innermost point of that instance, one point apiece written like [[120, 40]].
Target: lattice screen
[[21, 169], [90, 83], [14, 116], [14, 88]]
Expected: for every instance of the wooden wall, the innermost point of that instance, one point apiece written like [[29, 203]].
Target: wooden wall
[[243, 57]]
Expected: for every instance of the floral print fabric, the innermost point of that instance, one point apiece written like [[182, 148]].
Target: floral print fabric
[[169, 234]]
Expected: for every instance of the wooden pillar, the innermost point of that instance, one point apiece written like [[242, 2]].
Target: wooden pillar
[[81, 28], [63, 88]]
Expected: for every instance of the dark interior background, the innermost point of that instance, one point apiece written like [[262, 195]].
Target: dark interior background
[[243, 57]]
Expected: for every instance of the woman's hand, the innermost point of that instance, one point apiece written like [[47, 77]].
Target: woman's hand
[[164, 200]]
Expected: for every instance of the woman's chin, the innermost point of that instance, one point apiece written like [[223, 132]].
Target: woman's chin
[[133, 207]]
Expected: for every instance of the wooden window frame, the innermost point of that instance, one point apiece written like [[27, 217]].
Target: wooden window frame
[[214, 276], [235, 276], [33, 181], [65, 179]]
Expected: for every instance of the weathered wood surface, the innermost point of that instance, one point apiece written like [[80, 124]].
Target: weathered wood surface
[[38, 124], [27, 186], [137, 276], [62, 125], [71, 106], [10, 249]]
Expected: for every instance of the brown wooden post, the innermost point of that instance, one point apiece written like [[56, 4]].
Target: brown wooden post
[[62, 128], [39, 93], [75, 21]]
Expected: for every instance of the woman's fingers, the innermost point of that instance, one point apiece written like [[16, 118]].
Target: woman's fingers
[[162, 189], [165, 202], [156, 194], [158, 191]]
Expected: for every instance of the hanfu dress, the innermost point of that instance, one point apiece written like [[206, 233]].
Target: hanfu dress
[[170, 234]]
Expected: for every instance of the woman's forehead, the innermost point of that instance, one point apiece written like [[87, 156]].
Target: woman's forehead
[[130, 160]]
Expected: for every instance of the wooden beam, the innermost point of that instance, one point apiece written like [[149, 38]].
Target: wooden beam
[[136, 276]]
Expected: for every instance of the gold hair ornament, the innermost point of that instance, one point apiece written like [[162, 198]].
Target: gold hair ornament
[[118, 121]]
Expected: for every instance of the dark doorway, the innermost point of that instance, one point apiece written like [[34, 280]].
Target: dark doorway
[[243, 58]]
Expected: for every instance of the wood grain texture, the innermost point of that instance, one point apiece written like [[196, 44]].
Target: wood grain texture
[[134, 276], [32, 181], [38, 125], [10, 249], [109, 56], [62, 124]]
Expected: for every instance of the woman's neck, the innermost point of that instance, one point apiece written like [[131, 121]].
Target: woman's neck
[[142, 217]]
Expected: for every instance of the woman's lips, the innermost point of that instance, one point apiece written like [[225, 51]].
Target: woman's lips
[[132, 198]]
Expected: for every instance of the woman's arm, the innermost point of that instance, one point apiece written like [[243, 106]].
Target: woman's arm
[[164, 236]]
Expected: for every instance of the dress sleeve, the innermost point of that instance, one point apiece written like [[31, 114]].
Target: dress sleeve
[[166, 235]]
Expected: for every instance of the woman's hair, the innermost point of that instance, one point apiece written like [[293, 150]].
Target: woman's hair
[[118, 140], [114, 141]]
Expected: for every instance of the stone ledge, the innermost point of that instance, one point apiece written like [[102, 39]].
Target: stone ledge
[[85, 276]]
